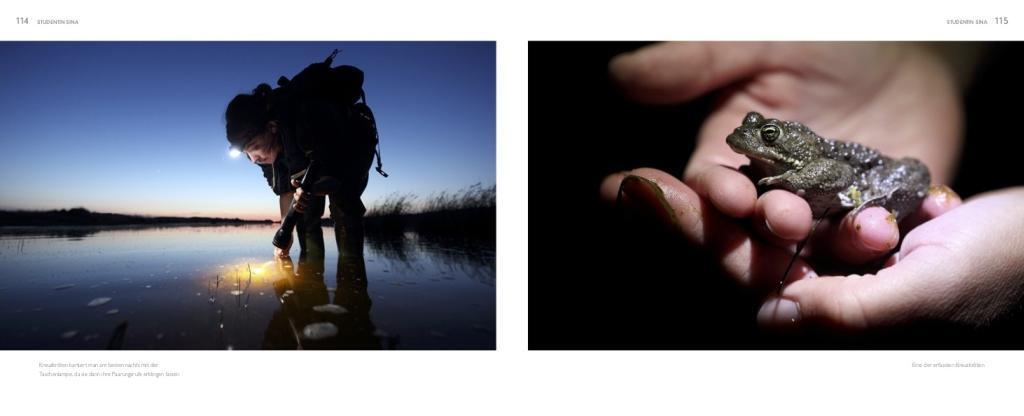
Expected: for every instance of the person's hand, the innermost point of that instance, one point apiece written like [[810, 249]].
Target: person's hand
[[283, 253], [893, 97], [965, 267], [754, 262], [301, 198], [323, 186]]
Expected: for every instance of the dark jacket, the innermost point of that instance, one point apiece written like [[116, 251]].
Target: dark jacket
[[340, 137]]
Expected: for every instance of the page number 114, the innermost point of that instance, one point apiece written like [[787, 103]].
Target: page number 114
[[22, 20]]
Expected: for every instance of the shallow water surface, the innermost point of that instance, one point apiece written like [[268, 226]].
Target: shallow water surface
[[219, 287]]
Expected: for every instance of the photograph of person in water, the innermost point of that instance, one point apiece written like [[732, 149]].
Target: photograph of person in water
[[248, 195]]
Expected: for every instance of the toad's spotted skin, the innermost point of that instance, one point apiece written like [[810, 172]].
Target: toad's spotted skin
[[829, 174]]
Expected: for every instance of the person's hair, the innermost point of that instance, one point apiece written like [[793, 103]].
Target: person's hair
[[247, 115]]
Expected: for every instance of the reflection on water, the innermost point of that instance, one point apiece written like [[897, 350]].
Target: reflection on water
[[218, 287], [457, 257], [310, 318]]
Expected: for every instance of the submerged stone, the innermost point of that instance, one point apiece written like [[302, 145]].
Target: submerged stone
[[97, 302], [319, 330], [331, 308]]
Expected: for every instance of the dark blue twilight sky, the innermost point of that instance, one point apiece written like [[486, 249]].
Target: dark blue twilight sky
[[138, 127]]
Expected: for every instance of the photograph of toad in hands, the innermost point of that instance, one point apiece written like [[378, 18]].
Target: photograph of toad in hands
[[752, 195]]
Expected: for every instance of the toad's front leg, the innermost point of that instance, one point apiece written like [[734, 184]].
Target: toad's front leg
[[819, 183], [784, 178], [822, 175]]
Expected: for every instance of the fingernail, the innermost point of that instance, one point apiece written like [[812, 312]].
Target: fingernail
[[780, 313], [877, 230], [943, 196], [645, 195]]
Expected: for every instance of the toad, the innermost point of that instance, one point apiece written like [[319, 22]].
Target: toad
[[831, 175]]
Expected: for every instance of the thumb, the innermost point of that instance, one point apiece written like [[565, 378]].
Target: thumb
[[856, 303], [678, 71]]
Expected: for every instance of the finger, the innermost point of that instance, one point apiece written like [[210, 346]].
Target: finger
[[295, 183], [940, 200], [729, 191], [869, 235], [858, 303], [656, 193], [751, 263], [675, 72], [782, 217]]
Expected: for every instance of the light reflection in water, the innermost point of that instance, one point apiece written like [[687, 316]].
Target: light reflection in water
[[219, 287]]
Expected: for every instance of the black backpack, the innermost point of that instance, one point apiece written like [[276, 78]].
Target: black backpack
[[341, 85]]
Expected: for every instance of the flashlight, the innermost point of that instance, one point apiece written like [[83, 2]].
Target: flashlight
[[283, 236], [234, 152]]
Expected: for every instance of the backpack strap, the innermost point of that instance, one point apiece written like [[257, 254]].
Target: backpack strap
[[376, 136], [380, 164]]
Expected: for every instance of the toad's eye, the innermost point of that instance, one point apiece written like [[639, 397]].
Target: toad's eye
[[770, 132]]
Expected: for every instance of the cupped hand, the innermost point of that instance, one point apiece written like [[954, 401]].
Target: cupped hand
[[965, 267], [896, 98], [742, 254]]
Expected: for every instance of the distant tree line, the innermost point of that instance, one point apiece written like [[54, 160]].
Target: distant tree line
[[82, 216]]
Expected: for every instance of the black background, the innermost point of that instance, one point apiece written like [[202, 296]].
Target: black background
[[601, 280]]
